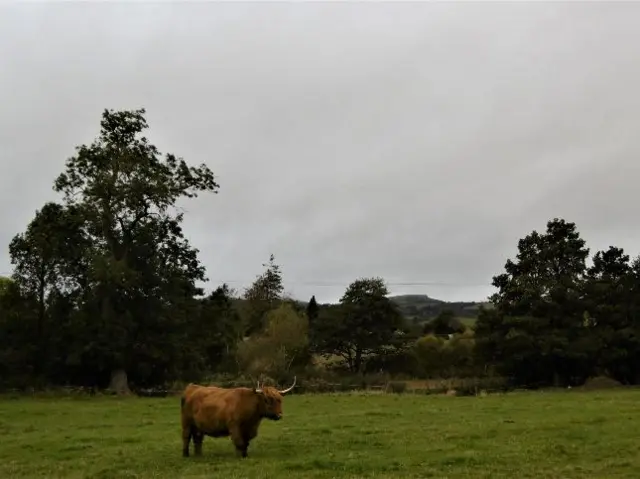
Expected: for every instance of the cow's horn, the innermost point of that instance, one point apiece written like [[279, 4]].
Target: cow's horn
[[258, 389], [289, 389]]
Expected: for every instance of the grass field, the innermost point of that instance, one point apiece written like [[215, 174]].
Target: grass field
[[518, 435]]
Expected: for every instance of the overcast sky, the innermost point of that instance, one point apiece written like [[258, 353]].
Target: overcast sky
[[414, 141]]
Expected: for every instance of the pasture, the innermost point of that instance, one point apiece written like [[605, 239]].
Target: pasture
[[524, 434]]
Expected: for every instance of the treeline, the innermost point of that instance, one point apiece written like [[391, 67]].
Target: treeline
[[104, 294], [559, 321], [104, 288]]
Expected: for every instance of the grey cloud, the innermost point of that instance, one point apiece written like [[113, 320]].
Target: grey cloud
[[415, 141]]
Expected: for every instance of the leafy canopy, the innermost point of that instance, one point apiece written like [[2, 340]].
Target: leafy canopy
[[116, 246], [365, 322]]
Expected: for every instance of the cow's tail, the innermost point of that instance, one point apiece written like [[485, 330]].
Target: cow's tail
[[182, 403]]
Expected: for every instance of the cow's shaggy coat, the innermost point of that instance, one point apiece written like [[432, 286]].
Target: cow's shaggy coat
[[219, 412]]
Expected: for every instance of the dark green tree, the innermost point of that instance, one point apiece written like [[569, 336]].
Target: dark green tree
[[217, 331], [47, 259], [612, 316], [547, 274], [143, 270], [536, 333], [15, 359], [444, 324], [312, 309], [364, 324]]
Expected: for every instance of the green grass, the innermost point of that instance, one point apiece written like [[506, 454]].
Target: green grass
[[518, 435]]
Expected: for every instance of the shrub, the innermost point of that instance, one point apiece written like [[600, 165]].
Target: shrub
[[601, 382], [282, 345]]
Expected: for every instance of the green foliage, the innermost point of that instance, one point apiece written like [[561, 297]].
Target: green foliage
[[16, 352], [546, 278], [111, 276], [143, 269], [211, 336], [459, 354], [539, 313], [444, 357], [48, 265], [364, 323], [445, 323], [264, 295], [428, 352], [612, 314], [283, 345], [556, 321], [105, 281]]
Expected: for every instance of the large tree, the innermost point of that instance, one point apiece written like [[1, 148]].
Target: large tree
[[14, 357], [547, 273], [215, 332], [612, 301], [143, 272], [365, 322], [48, 260], [536, 331]]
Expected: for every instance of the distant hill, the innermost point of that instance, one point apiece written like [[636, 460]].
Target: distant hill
[[421, 307]]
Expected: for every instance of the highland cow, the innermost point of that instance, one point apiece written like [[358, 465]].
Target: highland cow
[[220, 412]]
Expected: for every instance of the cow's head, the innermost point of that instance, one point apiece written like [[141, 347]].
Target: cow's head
[[271, 400]]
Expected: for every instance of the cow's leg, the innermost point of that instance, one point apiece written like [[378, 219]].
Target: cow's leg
[[198, 437], [246, 448], [239, 441], [186, 439]]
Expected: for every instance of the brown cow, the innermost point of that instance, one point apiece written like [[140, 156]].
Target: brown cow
[[219, 412]]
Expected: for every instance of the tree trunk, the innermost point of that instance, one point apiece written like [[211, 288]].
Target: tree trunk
[[119, 383], [358, 361], [40, 338], [349, 358]]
